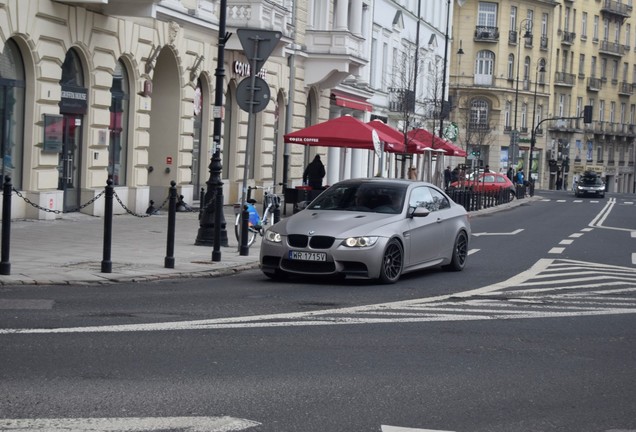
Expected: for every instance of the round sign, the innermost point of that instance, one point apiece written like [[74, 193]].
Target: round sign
[[244, 94], [377, 144]]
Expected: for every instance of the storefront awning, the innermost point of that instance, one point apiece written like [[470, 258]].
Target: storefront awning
[[350, 101]]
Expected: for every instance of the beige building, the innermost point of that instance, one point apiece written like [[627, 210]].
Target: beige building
[[122, 89], [524, 67]]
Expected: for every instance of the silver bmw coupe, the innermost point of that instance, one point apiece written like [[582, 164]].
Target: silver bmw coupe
[[371, 228]]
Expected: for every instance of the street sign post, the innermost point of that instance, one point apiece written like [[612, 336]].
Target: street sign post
[[253, 96]]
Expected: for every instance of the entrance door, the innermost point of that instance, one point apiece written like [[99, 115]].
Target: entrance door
[[68, 166]]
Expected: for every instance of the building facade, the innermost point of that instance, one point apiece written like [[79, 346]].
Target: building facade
[[524, 71], [121, 90]]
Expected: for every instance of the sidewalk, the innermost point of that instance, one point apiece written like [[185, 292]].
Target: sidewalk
[[70, 250]]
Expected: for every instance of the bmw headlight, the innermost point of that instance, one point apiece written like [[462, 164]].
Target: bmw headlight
[[360, 242], [273, 236]]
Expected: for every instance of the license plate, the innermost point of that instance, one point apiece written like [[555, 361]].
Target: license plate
[[307, 256]]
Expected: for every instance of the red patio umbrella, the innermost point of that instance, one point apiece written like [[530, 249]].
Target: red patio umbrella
[[412, 144], [436, 142], [345, 131]]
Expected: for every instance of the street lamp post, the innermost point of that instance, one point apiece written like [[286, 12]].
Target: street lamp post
[[441, 110], [533, 134], [212, 230], [514, 134]]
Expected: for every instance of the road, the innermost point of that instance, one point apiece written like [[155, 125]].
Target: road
[[536, 334]]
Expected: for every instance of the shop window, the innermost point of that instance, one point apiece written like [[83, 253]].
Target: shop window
[[12, 113]]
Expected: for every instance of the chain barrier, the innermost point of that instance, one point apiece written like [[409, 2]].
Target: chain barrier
[[91, 201], [44, 209], [132, 213]]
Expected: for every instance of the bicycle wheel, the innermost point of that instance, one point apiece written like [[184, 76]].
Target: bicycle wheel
[[251, 232]]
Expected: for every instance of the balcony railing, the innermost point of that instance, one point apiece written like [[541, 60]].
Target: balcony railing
[[611, 48], [486, 34], [594, 84], [564, 79], [616, 8], [568, 38], [625, 88]]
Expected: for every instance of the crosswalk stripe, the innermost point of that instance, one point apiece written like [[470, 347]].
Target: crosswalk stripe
[[136, 424]]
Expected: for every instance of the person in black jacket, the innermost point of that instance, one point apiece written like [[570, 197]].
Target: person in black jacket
[[314, 173]]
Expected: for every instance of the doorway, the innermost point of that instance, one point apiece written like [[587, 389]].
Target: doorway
[[69, 162]]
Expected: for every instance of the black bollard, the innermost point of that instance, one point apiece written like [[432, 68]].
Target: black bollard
[[107, 264], [201, 202], [244, 250], [276, 209], [5, 265], [172, 219]]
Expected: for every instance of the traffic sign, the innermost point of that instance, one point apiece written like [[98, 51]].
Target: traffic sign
[[258, 44], [244, 94]]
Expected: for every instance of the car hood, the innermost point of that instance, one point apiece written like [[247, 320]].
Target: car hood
[[337, 224]]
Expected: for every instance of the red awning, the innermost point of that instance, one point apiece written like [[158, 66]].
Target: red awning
[[437, 143], [345, 131], [350, 101]]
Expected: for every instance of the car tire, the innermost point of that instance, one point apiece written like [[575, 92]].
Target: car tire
[[460, 253], [392, 262]]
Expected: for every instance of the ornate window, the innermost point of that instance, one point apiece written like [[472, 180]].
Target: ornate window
[[479, 114]]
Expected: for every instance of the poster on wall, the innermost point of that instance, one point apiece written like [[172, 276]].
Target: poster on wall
[[53, 133]]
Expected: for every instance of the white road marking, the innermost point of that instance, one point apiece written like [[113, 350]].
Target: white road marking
[[587, 229], [137, 424], [472, 251], [566, 242], [403, 429], [522, 296], [633, 234], [515, 232], [556, 250], [634, 258], [576, 235], [561, 200]]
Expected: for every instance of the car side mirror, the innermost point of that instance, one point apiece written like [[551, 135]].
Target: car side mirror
[[419, 212]]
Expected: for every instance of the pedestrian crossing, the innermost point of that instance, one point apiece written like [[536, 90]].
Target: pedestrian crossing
[[551, 288]]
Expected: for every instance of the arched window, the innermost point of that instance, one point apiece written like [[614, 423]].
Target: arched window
[[119, 113], [479, 114], [12, 112], [484, 66], [526, 69]]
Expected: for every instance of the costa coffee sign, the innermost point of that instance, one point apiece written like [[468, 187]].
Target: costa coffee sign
[[243, 69]]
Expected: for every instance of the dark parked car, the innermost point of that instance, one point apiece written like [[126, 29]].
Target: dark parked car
[[369, 228], [590, 184]]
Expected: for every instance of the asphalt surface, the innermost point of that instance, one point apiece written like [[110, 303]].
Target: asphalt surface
[[70, 250]]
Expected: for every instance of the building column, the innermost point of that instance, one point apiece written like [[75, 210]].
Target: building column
[[333, 165], [341, 21], [356, 17]]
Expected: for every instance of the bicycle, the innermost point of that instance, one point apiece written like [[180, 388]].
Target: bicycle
[[256, 225]]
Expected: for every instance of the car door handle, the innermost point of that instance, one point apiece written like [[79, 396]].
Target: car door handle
[[438, 220]]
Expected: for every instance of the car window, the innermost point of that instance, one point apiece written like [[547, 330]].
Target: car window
[[362, 197], [489, 178], [500, 179], [429, 198]]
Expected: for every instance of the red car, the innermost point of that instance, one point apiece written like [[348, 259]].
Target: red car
[[485, 182]]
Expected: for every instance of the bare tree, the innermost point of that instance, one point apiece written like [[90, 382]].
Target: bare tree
[[416, 103]]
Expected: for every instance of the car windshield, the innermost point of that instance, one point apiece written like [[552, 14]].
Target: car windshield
[[363, 197], [590, 181]]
